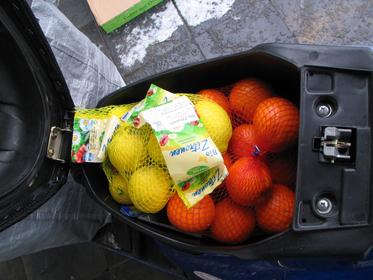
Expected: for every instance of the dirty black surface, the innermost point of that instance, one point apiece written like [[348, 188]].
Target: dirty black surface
[[83, 261], [246, 24]]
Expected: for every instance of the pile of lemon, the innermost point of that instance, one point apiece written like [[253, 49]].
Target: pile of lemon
[[141, 177]]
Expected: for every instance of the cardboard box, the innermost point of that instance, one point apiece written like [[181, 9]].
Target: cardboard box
[[111, 14]]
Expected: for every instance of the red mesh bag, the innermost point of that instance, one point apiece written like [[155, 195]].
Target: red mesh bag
[[275, 212], [195, 219], [219, 97], [233, 223], [264, 126], [283, 168], [248, 179], [245, 97], [243, 142], [276, 122]]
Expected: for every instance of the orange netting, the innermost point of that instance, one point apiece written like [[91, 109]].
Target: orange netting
[[259, 156]]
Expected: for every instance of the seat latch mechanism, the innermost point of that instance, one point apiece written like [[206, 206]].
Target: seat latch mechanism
[[335, 144]]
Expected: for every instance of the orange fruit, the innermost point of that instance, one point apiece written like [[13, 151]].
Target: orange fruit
[[227, 160], [243, 141], [219, 193], [218, 97], [275, 213], [283, 169], [248, 178], [245, 96], [276, 122], [195, 219], [233, 223], [228, 163]]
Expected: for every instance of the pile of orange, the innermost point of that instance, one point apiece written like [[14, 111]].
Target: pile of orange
[[261, 164]]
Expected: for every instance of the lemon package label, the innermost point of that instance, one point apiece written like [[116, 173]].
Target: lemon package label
[[188, 150], [155, 96], [193, 190], [111, 127], [114, 116], [185, 144], [87, 139]]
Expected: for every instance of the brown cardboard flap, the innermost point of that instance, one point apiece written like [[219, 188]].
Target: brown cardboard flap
[[105, 10]]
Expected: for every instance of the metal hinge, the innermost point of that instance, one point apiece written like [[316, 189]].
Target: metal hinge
[[59, 144]]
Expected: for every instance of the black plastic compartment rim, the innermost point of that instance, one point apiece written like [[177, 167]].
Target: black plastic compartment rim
[[346, 242], [306, 54], [288, 244]]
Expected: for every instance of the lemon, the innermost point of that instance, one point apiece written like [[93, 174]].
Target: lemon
[[149, 189], [217, 123], [154, 151], [127, 149], [118, 189]]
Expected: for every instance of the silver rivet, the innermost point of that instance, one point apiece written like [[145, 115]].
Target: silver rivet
[[324, 206], [324, 110]]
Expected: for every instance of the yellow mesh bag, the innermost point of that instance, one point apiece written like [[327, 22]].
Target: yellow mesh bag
[[135, 154], [215, 119], [127, 150], [109, 170], [150, 188], [140, 162], [118, 186], [154, 151], [90, 125], [103, 112]]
